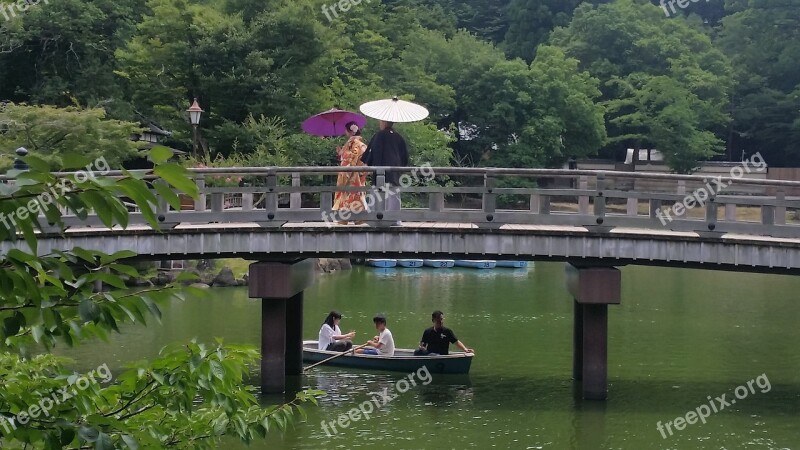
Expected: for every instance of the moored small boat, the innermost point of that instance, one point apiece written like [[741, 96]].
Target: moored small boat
[[402, 361], [439, 263], [383, 263], [513, 264], [410, 263], [476, 264]]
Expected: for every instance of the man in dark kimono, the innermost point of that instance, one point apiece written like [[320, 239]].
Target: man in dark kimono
[[388, 148]]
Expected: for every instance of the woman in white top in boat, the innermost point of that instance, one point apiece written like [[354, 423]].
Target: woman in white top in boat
[[331, 337]]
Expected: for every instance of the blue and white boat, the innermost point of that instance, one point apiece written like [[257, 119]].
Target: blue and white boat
[[477, 264], [439, 263], [513, 264], [383, 263], [409, 263]]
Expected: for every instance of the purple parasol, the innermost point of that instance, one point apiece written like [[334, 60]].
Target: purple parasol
[[332, 122]]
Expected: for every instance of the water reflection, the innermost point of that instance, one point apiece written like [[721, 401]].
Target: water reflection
[[447, 390], [346, 389], [384, 272], [449, 274], [678, 336]]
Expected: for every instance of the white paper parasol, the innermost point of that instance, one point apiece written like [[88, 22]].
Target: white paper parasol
[[394, 110]]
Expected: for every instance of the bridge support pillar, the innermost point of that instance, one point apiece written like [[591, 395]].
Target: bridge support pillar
[[593, 288], [280, 286], [294, 335]]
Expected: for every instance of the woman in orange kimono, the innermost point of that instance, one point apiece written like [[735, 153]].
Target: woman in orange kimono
[[350, 156]]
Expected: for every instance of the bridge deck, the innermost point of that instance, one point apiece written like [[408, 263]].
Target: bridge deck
[[579, 245], [284, 219], [427, 226]]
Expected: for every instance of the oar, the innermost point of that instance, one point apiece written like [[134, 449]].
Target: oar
[[334, 357]]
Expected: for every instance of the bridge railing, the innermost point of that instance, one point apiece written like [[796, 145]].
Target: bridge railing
[[492, 198]]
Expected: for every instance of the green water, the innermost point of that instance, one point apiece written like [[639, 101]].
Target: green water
[[678, 337]]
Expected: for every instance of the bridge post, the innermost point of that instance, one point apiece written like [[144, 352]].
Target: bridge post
[[583, 200], [200, 201], [295, 198], [780, 211], [280, 286], [682, 192], [593, 288], [489, 201], [380, 201], [294, 335]]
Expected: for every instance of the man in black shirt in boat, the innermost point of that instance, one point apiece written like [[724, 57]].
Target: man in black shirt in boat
[[436, 340]]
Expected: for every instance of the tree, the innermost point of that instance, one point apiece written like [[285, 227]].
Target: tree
[[531, 21], [661, 111], [189, 397], [631, 47], [537, 115], [51, 133], [62, 53], [766, 102]]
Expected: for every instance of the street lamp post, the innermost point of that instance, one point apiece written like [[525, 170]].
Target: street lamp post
[[194, 117]]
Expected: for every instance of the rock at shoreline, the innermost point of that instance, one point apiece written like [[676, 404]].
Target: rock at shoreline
[[225, 278], [163, 278], [327, 265], [138, 282], [199, 285], [195, 277]]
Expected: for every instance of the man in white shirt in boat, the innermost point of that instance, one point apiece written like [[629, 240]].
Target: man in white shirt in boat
[[436, 340], [383, 344]]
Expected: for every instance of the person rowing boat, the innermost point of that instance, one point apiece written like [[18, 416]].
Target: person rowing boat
[[382, 344]]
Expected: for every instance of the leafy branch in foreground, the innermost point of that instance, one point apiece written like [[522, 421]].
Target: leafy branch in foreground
[[189, 397]]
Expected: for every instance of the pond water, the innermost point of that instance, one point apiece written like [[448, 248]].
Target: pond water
[[678, 337]]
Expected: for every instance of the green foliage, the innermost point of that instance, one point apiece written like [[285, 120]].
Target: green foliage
[[189, 397], [531, 21], [61, 53], [664, 83], [52, 133], [667, 115], [251, 62], [763, 41]]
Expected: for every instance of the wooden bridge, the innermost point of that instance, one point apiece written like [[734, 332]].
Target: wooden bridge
[[595, 221]]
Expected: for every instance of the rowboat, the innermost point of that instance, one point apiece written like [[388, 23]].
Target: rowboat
[[478, 264], [402, 361], [439, 263], [384, 263], [411, 263], [513, 264]]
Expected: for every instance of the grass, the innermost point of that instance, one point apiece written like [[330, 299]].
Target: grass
[[237, 265]]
